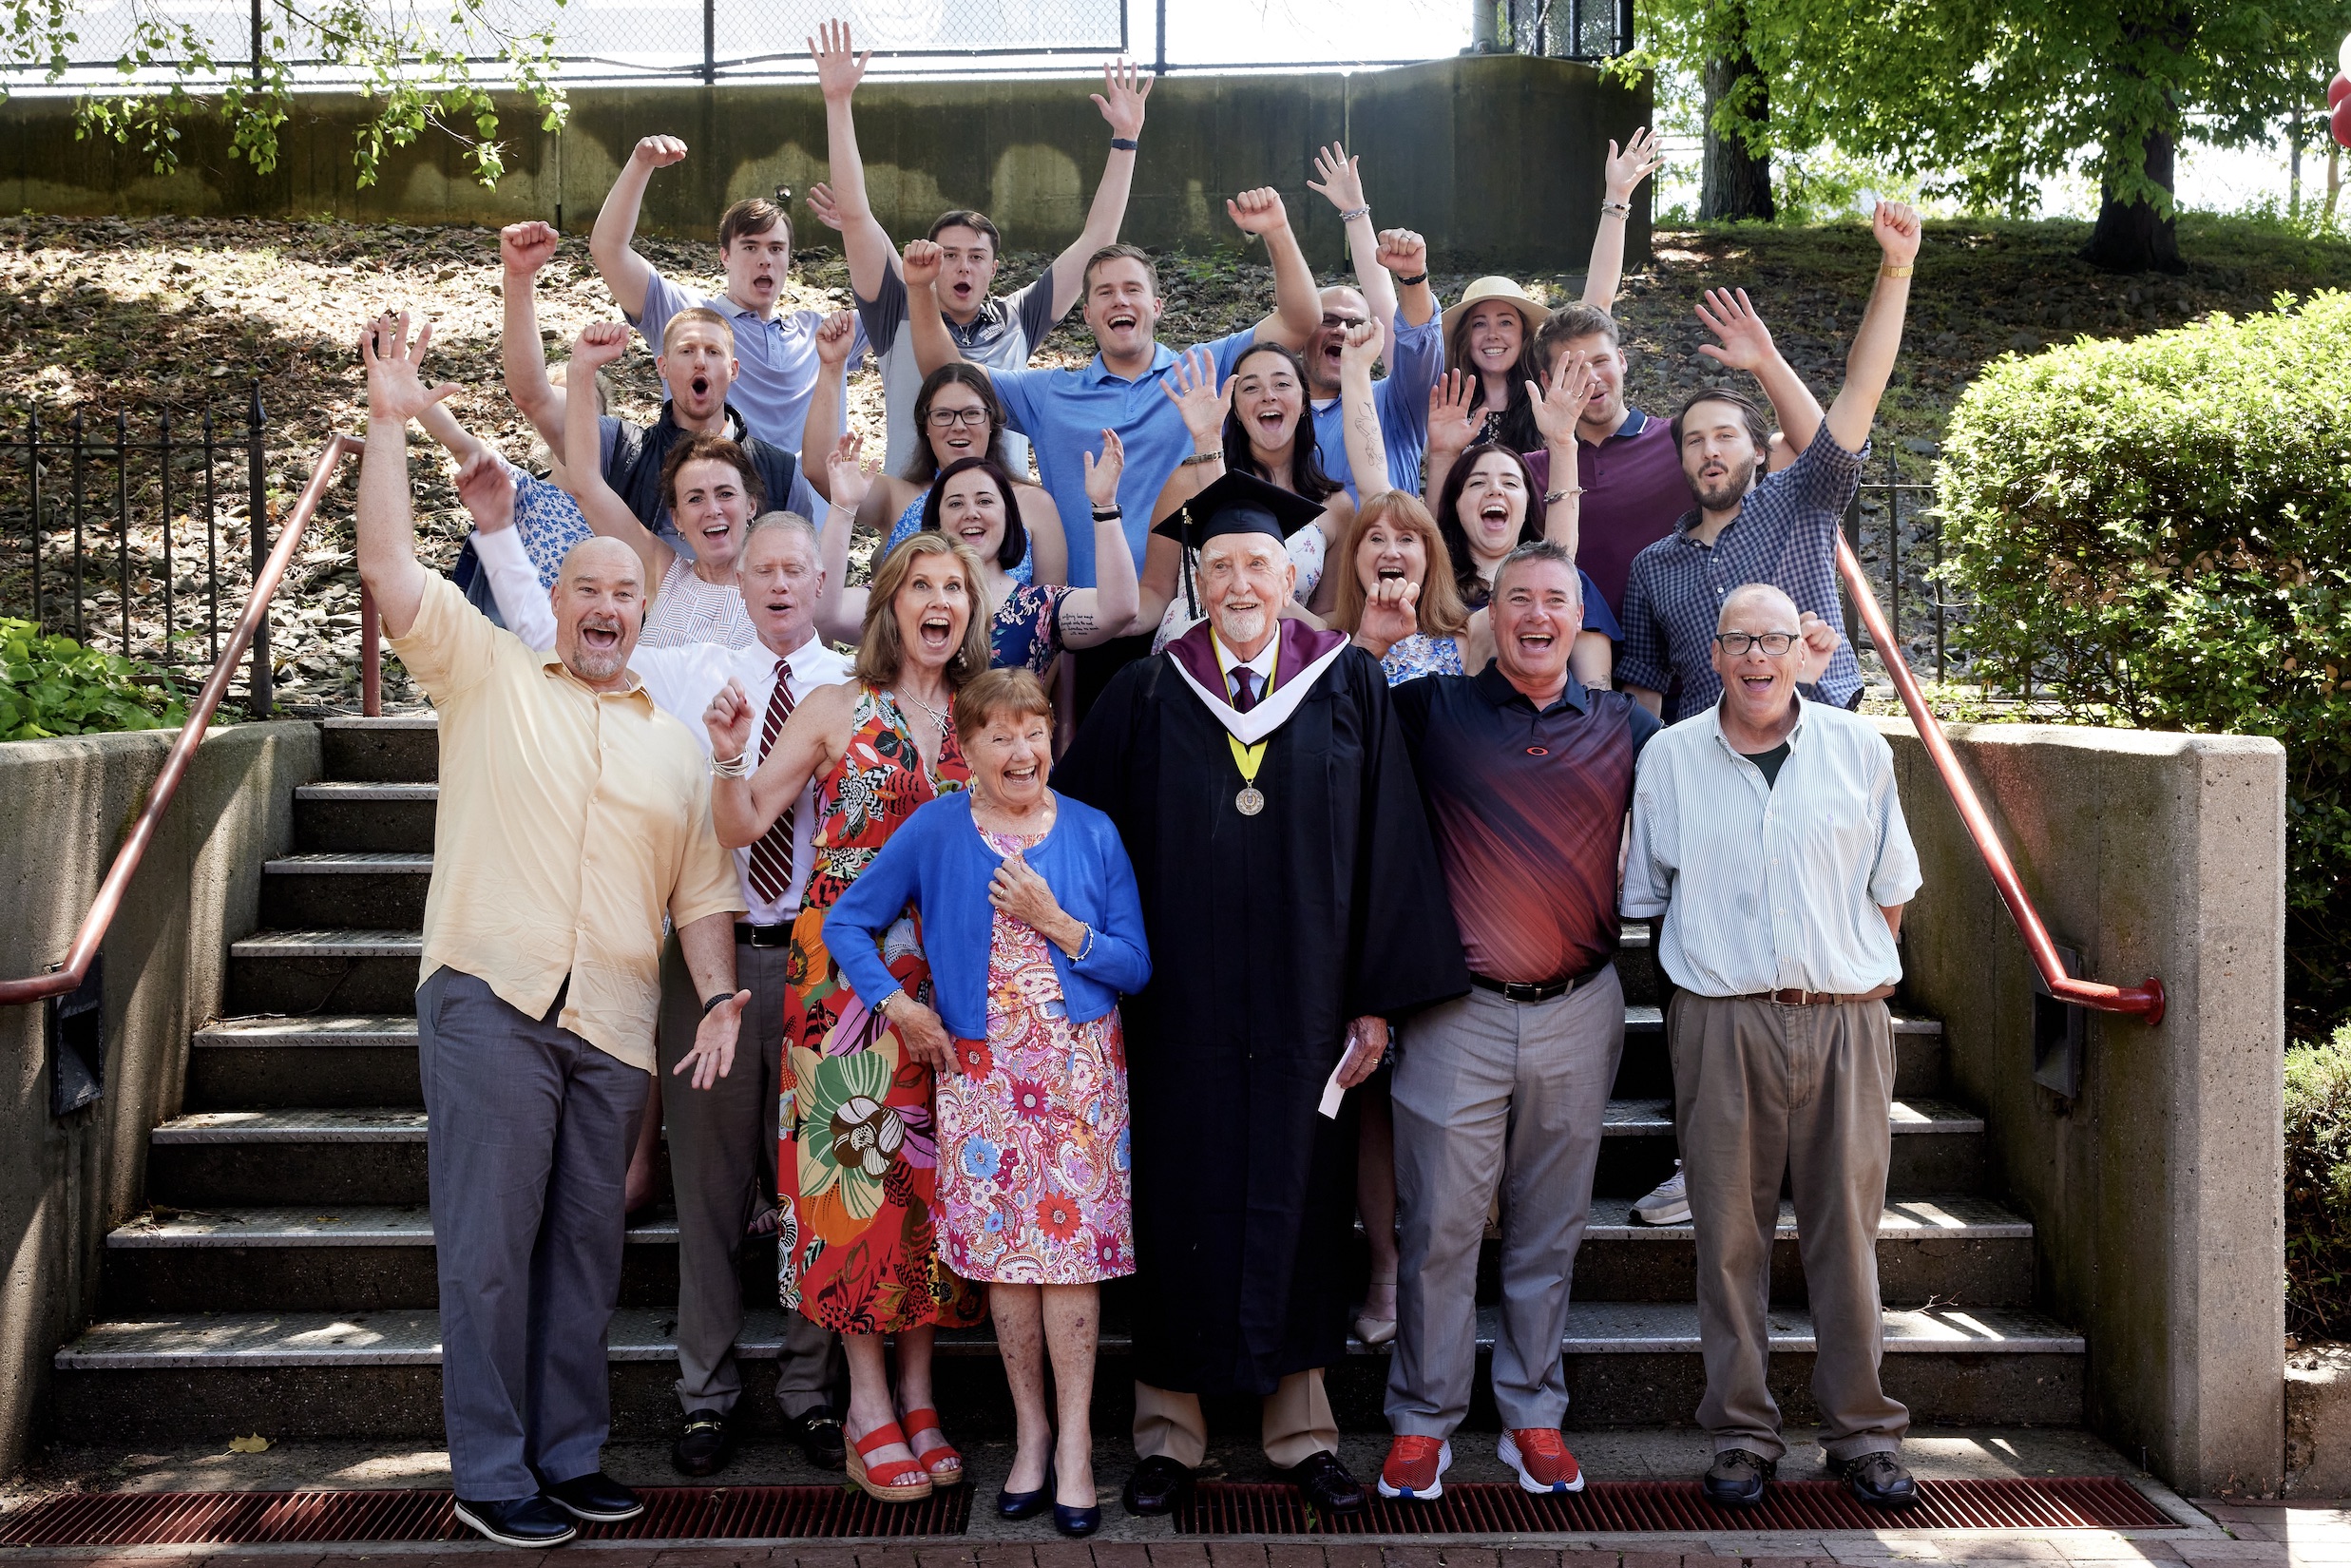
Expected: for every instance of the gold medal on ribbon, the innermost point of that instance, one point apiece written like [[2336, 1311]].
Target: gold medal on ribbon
[[1249, 759], [1251, 801]]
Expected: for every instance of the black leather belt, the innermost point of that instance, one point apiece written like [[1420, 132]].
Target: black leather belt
[[1537, 990], [763, 936]]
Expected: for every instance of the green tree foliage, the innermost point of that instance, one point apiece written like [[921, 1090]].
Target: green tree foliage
[[53, 685], [2158, 532], [2317, 1189], [416, 64]]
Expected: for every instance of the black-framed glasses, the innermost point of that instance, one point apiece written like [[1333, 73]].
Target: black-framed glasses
[[1345, 320], [1737, 644], [948, 419]]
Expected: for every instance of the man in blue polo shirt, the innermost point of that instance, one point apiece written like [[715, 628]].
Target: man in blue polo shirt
[[775, 348], [1126, 387]]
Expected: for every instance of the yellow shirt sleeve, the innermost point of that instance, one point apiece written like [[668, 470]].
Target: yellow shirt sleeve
[[453, 646], [708, 882]]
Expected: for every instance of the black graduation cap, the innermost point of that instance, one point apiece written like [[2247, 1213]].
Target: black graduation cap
[[1238, 502]]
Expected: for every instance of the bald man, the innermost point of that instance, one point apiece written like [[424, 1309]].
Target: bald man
[[1768, 835], [574, 816]]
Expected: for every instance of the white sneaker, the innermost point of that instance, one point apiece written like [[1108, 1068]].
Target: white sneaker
[[1669, 1204]]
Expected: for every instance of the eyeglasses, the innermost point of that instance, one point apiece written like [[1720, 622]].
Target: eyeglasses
[[1737, 644], [1344, 320], [944, 418]]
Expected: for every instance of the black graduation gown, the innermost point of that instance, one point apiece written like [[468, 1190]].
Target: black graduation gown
[[1268, 934]]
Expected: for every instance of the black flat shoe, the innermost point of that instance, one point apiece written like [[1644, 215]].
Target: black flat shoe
[[1326, 1483], [1010, 1504], [818, 1433], [1157, 1486], [1737, 1478], [1879, 1479], [595, 1496], [1077, 1523], [705, 1446], [531, 1521]]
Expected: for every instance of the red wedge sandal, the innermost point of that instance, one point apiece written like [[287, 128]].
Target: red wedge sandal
[[892, 1481]]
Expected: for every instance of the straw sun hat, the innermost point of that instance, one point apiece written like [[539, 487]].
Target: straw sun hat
[[1503, 290]]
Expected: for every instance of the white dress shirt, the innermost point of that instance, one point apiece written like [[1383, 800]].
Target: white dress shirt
[[1261, 666], [681, 680], [1766, 887]]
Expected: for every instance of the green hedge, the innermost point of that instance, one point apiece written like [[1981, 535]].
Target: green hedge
[[53, 686], [2317, 1189], [2160, 531]]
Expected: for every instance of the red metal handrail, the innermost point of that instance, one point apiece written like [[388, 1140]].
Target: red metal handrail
[[93, 929], [2144, 1001]]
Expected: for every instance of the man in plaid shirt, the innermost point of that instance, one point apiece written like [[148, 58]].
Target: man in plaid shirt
[[1753, 527]]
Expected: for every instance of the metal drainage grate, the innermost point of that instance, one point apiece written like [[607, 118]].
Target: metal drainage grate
[[1497, 1508], [672, 1513]]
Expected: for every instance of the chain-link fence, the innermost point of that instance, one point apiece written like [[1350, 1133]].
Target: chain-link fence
[[743, 39]]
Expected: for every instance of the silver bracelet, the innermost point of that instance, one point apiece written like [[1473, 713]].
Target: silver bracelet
[[1622, 209], [1079, 956], [1353, 213], [738, 765]]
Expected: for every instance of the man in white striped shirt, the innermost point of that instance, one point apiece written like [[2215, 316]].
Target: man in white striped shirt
[[1768, 835], [722, 1143]]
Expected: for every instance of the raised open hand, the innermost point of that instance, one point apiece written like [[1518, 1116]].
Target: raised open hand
[[1453, 422], [1124, 87], [1102, 473], [921, 263], [847, 474], [728, 720], [1259, 211], [1197, 398], [395, 390], [1746, 341], [1559, 404], [1896, 224], [822, 207], [1342, 180], [523, 248], [835, 334], [658, 152], [839, 68], [1626, 170]]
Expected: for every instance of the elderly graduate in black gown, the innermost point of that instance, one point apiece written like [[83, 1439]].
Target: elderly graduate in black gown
[[1294, 904]]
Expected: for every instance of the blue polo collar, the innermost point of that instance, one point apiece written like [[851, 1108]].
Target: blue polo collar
[[1097, 372]]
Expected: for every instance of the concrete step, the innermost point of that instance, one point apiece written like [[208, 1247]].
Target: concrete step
[[355, 815], [1648, 1074], [263, 1257], [376, 1374], [208, 1159], [406, 749], [321, 969], [339, 1061], [345, 888]]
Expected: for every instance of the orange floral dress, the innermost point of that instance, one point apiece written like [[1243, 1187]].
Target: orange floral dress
[[859, 1249]]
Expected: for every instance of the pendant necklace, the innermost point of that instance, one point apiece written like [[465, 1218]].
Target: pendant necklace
[[942, 720]]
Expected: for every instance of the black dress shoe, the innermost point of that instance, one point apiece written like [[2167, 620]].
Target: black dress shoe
[[1879, 1479], [705, 1446], [1157, 1486], [595, 1496], [1738, 1478], [818, 1433], [522, 1521], [1326, 1483]]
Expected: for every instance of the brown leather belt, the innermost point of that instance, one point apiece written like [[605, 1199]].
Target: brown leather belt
[[1791, 997]]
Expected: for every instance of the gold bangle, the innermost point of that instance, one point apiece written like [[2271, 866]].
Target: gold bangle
[[1894, 272]]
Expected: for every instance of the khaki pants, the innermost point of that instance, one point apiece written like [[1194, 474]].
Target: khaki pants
[[1761, 1091], [1297, 1423]]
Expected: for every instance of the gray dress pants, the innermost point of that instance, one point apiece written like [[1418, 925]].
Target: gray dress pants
[[528, 1132], [722, 1165], [1493, 1094]]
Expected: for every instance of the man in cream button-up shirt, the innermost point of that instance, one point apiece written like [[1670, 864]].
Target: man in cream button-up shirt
[[1767, 833], [574, 817]]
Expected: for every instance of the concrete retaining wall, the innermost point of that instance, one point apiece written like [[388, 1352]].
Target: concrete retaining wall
[[1496, 159], [2156, 1194], [64, 807]]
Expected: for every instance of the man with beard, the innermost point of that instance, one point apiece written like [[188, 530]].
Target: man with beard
[[1747, 528], [574, 817], [699, 366], [1259, 781], [722, 1144]]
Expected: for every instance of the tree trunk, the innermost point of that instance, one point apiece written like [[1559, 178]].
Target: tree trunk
[[2135, 237], [1734, 178]]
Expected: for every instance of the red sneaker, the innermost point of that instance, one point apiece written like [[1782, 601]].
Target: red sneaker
[[1541, 1458], [1414, 1467]]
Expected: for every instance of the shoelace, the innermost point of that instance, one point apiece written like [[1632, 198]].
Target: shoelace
[[1541, 1440]]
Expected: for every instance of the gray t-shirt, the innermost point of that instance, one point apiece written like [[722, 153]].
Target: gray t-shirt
[[1002, 336]]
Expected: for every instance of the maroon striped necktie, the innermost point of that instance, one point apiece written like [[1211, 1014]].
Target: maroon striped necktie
[[770, 858]]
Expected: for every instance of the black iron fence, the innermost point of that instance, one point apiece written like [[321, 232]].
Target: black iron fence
[[129, 537]]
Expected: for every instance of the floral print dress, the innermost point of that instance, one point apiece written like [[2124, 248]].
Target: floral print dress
[[859, 1251], [1033, 1127]]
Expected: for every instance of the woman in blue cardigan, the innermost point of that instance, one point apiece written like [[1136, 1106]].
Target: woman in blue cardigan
[[1029, 914]]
